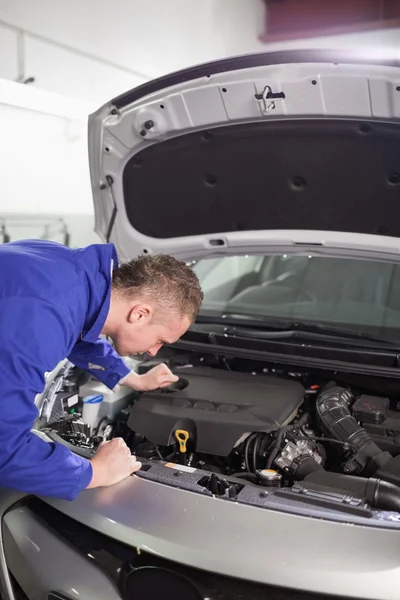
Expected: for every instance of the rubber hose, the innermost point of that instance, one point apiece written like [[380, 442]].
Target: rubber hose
[[275, 448], [305, 467], [377, 493], [333, 411]]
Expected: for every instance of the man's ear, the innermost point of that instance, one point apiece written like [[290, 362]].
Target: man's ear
[[139, 312]]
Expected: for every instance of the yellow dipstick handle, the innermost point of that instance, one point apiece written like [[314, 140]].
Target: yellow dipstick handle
[[182, 436]]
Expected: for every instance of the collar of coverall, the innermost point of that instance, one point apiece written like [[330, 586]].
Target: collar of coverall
[[92, 334]]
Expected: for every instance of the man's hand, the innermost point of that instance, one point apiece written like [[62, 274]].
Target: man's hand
[[159, 376], [112, 463]]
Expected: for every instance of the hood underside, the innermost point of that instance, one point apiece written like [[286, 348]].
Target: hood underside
[[266, 153]]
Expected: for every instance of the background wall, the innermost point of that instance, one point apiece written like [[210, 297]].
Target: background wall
[[45, 172], [95, 49]]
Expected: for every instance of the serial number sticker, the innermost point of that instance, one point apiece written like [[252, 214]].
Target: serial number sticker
[[180, 467]]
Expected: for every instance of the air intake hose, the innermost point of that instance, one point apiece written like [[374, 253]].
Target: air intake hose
[[378, 494], [337, 422]]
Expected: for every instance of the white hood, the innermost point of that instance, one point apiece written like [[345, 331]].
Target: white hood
[[256, 152]]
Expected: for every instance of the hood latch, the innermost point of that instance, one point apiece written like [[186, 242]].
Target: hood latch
[[268, 97]]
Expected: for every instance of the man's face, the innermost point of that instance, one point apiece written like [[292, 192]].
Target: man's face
[[143, 333]]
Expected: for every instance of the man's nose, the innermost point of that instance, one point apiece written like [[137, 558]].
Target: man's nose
[[153, 351]]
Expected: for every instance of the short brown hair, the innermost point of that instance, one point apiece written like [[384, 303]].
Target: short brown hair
[[171, 283]]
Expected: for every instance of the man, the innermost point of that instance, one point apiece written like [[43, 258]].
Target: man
[[55, 303]]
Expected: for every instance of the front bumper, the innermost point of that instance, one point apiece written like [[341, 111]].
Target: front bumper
[[206, 539]]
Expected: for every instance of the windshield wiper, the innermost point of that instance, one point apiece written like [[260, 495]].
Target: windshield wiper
[[279, 329]]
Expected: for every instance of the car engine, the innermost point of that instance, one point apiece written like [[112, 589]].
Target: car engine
[[217, 409], [242, 422]]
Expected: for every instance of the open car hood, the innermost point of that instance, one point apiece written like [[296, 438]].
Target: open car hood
[[259, 151]]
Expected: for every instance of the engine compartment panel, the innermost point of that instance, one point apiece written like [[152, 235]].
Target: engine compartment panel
[[216, 408]]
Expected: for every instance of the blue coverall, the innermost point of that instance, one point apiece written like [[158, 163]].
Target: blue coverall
[[53, 305]]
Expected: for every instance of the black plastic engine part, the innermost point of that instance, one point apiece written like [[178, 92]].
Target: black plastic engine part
[[76, 448], [386, 443], [389, 428], [216, 408], [375, 492], [219, 486], [304, 466], [72, 429], [371, 409], [387, 433], [326, 497], [334, 413], [390, 471]]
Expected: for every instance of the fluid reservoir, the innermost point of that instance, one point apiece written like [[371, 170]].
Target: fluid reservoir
[[113, 400]]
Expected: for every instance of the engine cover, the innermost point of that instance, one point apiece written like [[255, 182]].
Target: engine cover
[[216, 408]]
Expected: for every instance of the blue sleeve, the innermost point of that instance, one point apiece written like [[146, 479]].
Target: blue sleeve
[[101, 360], [32, 335]]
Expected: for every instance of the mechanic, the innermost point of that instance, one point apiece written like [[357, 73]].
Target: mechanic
[[55, 302]]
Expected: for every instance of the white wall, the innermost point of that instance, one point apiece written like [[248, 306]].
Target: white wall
[[8, 53], [44, 152], [62, 70], [153, 37], [97, 49], [91, 51], [45, 169], [65, 72], [137, 40], [150, 37]]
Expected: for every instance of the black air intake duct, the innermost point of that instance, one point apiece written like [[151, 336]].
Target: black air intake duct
[[378, 494], [364, 456]]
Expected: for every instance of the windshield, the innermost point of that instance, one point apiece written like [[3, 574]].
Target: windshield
[[363, 295]]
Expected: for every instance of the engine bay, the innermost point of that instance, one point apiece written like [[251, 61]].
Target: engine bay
[[327, 437]]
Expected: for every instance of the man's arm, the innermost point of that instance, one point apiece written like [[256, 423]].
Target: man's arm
[[32, 335], [102, 361]]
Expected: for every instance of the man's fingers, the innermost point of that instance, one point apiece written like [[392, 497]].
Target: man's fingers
[[167, 375], [164, 370], [135, 465], [120, 442], [167, 382]]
